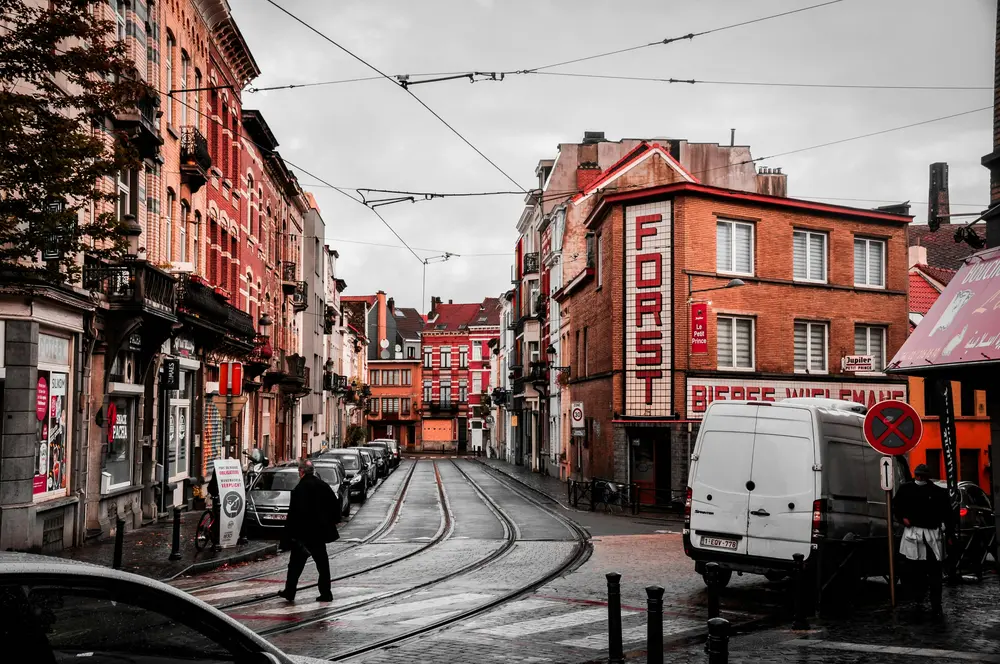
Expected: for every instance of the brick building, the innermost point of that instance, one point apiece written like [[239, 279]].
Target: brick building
[[797, 287]]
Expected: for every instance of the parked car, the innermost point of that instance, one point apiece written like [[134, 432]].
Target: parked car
[[388, 445], [357, 469], [55, 610], [331, 471], [370, 462], [976, 526], [771, 480], [381, 457], [268, 502]]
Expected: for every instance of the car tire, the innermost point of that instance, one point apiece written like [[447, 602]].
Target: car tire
[[721, 580], [774, 577]]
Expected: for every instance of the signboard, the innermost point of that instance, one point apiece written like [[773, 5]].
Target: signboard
[[856, 363], [963, 326], [886, 476], [893, 427], [648, 309], [942, 394], [171, 374], [699, 328], [42, 399], [183, 347], [50, 409], [232, 500], [577, 422], [703, 391], [231, 378]]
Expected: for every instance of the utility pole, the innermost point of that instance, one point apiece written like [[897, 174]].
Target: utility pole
[[431, 259]]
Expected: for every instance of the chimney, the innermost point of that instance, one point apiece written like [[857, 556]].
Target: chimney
[[380, 313], [591, 137], [435, 301], [938, 207], [450, 302], [391, 306], [918, 256], [732, 137], [587, 174], [896, 208]]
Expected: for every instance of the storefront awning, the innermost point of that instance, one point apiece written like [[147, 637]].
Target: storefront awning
[[962, 330]]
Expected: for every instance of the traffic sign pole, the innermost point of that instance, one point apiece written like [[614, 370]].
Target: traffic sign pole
[[892, 550]]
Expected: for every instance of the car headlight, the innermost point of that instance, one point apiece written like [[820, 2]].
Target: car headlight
[[356, 479]]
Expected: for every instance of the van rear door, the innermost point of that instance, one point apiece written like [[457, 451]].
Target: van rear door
[[719, 495], [784, 484]]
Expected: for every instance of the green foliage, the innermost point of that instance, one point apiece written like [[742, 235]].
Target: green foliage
[[356, 435], [63, 76]]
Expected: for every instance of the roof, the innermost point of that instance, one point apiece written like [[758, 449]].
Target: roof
[[370, 300], [453, 317], [923, 294], [939, 274], [409, 322], [942, 250], [639, 154]]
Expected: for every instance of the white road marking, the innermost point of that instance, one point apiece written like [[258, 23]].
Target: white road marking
[[304, 607], [422, 605], [509, 609], [563, 620], [258, 588], [636, 634]]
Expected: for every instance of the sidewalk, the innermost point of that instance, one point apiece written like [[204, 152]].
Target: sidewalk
[[146, 551]]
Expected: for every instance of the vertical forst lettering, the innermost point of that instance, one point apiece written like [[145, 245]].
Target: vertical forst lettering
[[642, 348], [657, 279], [649, 375], [640, 228], [648, 303]]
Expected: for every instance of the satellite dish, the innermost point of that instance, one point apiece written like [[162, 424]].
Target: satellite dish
[[384, 343], [399, 349], [384, 354]]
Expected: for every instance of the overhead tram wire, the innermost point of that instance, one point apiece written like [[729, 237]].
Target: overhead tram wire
[[402, 85]]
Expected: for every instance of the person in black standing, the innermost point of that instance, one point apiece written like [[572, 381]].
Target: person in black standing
[[311, 524], [925, 510]]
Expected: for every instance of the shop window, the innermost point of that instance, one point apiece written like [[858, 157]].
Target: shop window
[[179, 426], [51, 454], [121, 434]]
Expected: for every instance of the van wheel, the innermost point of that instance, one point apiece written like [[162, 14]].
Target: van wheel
[[721, 579], [775, 576]]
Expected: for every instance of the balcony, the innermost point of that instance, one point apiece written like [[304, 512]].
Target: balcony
[[530, 263], [330, 320], [290, 374], [288, 278], [195, 158], [300, 297], [260, 357], [441, 407], [133, 285], [214, 321], [139, 124]]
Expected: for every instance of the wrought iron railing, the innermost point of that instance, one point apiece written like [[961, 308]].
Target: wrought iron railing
[[531, 263], [133, 282], [194, 148], [300, 298], [288, 271]]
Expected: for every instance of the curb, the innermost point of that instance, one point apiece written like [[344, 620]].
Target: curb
[[215, 563]]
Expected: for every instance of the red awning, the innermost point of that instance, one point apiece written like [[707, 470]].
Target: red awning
[[962, 329]]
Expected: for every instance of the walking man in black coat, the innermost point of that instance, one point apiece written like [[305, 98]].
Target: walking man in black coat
[[925, 510], [312, 522]]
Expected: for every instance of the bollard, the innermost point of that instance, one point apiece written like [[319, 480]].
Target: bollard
[[116, 563], [712, 579], [654, 625], [570, 492], [615, 652], [593, 494], [175, 545], [799, 621], [718, 641]]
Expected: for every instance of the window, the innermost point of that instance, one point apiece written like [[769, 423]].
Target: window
[[934, 463], [411, 353], [446, 358], [445, 393], [428, 358], [477, 351], [809, 260], [869, 340], [968, 401], [118, 462], [373, 376], [196, 95], [119, 6], [463, 357], [533, 298], [404, 406], [869, 263], [600, 262], [168, 231], [169, 59], [390, 405], [477, 382], [405, 377], [931, 406], [123, 181], [734, 247], [373, 406], [735, 343], [463, 392], [194, 236], [428, 389], [182, 231], [968, 466], [810, 347], [586, 356], [183, 85]]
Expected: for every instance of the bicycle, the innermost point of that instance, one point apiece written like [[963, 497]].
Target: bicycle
[[612, 497], [203, 534]]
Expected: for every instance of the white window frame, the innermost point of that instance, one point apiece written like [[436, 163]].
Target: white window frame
[[731, 268], [868, 341], [182, 231], [446, 353], [477, 351], [869, 241], [120, 19], [600, 261], [428, 358], [753, 339], [477, 382], [826, 347], [826, 251], [168, 250], [169, 60]]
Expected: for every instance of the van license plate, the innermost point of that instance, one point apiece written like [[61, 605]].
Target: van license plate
[[720, 542]]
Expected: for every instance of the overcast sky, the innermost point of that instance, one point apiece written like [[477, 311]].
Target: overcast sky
[[372, 134]]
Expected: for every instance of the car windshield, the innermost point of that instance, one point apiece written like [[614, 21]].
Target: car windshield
[[367, 457], [280, 480], [349, 460], [329, 473]]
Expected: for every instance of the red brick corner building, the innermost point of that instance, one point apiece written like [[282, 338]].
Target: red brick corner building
[[819, 283]]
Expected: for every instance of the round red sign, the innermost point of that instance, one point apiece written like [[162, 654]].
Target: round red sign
[[112, 416], [893, 427]]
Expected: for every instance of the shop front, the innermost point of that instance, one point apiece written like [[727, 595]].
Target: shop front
[[178, 383]]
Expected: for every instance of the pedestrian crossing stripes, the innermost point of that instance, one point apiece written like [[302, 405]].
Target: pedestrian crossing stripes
[[633, 634]]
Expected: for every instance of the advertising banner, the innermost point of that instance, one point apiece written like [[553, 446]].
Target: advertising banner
[[699, 328], [232, 499]]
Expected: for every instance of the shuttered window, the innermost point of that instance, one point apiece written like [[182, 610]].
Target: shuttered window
[[869, 263], [734, 247], [735, 343], [870, 340], [809, 256], [810, 347]]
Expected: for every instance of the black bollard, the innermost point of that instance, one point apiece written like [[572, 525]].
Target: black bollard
[[175, 545], [799, 621], [654, 625], [712, 580], [593, 494], [718, 641], [615, 652], [116, 563]]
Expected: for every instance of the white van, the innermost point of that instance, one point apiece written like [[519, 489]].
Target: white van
[[769, 480]]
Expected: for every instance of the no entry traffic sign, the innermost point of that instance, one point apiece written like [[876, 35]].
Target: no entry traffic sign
[[893, 427]]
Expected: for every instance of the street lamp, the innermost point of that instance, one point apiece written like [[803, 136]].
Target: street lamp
[[733, 283], [551, 352], [132, 230], [264, 324]]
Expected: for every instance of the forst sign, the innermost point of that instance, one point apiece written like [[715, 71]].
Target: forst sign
[[648, 304]]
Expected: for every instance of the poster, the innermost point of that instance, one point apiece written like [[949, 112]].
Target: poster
[[50, 456], [232, 500]]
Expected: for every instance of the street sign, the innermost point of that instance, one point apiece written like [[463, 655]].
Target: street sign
[[236, 404], [231, 378], [893, 427], [886, 477], [577, 423], [856, 363], [171, 374]]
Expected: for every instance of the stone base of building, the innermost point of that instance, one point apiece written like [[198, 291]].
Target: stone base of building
[[44, 527]]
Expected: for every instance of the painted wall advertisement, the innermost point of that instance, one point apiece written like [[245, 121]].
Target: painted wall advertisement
[[50, 452], [647, 310], [232, 500], [703, 391]]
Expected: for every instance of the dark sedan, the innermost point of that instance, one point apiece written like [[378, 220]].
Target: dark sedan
[[389, 446], [976, 527], [381, 457], [356, 469]]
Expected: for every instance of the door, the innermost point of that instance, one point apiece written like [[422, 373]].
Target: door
[[783, 484], [719, 475]]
